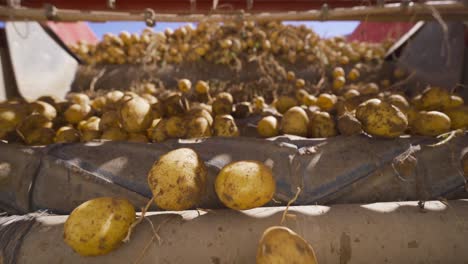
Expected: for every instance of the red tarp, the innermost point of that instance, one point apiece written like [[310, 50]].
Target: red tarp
[[379, 31], [70, 33]]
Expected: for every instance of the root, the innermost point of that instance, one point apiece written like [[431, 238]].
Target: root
[[138, 221], [155, 236], [447, 137], [283, 218]]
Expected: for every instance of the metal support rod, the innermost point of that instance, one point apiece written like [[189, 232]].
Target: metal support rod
[[451, 10]]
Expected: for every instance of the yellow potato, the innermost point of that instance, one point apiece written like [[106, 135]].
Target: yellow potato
[[178, 180], [113, 98], [295, 122], [381, 119], [259, 104], [98, 226], [300, 83], [11, 116], [284, 103], [225, 126], [176, 127], [432, 123], [412, 115], [321, 125], [151, 99], [198, 127], [98, 103], [458, 117], [338, 72], [77, 112], [109, 119], [290, 76], [44, 109], [454, 102], [200, 112], [268, 127], [135, 114], [40, 136], [326, 102], [223, 103], [301, 94], [338, 84], [281, 245], [309, 100], [369, 89], [202, 87], [114, 134], [174, 105], [435, 98], [31, 123], [67, 134], [399, 101], [244, 185], [353, 74], [184, 85], [78, 98]]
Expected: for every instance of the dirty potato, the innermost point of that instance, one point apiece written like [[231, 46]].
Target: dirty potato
[[244, 185], [281, 245], [98, 226], [432, 123], [349, 125], [268, 127], [381, 119], [295, 122], [284, 103], [178, 180], [223, 103], [67, 134], [458, 117], [135, 114], [225, 126], [321, 125]]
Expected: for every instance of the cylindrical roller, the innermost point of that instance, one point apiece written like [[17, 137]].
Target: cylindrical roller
[[375, 233]]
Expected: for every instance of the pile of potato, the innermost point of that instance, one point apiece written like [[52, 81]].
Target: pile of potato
[[227, 44]]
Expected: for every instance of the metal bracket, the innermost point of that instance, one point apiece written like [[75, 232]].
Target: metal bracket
[[324, 12], [50, 12], [150, 17]]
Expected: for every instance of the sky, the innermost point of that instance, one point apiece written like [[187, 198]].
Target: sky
[[324, 29]]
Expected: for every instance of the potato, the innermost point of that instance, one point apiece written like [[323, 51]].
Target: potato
[[184, 85], [338, 72], [151, 99], [300, 95], [99, 103], [91, 124], [351, 93], [432, 123], [67, 134], [369, 89], [268, 127], [321, 125], [137, 137], [284, 103], [112, 99], [258, 103], [158, 133], [244, 185], [79, 98], [50, 99], [353, 74], [98, 226], [281, 245], [242, 110], [435, 98], [398, 101], [225, 126], [109, 119], [135, 114], [300, 83], [174, 105], [454, 102], [412, 114], [458, 117], [202, 87], [77, 112], [381, 119], [44, 109], [222, 105], [338, 84], [199, 112], [31, 123], [178, 180], [114, 134], [176, 127], [326, 102], [309, 100], [348, 125], [40, 136], [198, 127], [295, 122], [11, 116]]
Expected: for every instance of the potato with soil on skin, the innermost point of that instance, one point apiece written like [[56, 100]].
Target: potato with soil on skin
[[174, 105], [268, 127], [198, 127], [199, 112], [109, 119], [284, 103], [11, 116], [281, 245], [98, 226], [321, 125], [90, 129], [67, 134], [40, 137], [222, 105], [454, 102], [242, 110], [33, 127], [184, 85], [158, 132], [77, 112], [398, 101], [135, 114], [176, 127], [434, 98], [44, 109], [244, 185], [295, 122], [432, 123], [225, 126], [381, 119], [178, 180], [348, 125], [78, 98], [326, 102], [458, 117]]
